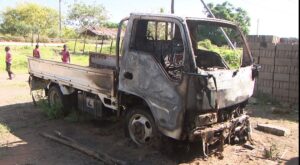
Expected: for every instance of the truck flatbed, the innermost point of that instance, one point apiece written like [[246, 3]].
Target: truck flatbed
[[80, 77]]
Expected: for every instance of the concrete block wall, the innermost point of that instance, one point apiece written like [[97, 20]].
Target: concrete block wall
[[279, 74]]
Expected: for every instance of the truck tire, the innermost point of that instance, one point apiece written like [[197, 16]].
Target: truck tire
[[140, 127], [57, 99]]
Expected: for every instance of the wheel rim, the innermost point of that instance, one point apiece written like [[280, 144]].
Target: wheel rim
[[54, 98], [140, 129]]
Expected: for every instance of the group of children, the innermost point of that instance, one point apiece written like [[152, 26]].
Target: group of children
[[65, 57]]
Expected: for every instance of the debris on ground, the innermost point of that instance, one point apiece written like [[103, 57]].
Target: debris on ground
[[249, 146], [273, 129], [107, 159]]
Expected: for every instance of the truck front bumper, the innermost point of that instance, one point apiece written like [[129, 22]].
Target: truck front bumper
[[236, 129]]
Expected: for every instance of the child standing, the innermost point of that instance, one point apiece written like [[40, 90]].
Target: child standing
[[36, 52], [8, 62], [65, 55]]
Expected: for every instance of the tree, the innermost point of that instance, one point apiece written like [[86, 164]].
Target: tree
[[228, 12], [82, 15], [29, 17], [68, 32], [110, 25]]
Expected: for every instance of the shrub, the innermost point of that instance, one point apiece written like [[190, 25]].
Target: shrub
[[53, 112], [271, 153], [18, 39], [44, 39], [205, 44], [231, 57]]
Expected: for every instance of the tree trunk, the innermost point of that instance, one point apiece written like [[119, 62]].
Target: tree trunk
[[75, 44], [96, 43], [101, 44], [38, 39], [32, 39], [84, 41], [111, 46]]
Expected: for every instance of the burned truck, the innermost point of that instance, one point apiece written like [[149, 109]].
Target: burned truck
[[172, 76]]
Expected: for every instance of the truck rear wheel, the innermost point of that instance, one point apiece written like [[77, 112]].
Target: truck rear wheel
[[140, 127], [57, 100]]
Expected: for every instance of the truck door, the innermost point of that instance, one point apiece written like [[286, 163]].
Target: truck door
[[151, 68]]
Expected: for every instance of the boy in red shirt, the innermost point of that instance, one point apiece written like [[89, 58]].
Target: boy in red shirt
[[8, 61], [36, 52], [65, 55]]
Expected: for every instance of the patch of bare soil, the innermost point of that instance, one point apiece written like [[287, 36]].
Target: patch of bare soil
[[21, 123]]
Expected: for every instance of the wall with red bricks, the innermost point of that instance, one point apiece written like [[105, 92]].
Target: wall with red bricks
[[279, 73]]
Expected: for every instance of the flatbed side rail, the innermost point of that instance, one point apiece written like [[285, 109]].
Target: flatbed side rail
[[84, 78]]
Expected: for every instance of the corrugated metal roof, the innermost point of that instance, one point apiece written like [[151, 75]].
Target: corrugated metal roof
[[99, 31]]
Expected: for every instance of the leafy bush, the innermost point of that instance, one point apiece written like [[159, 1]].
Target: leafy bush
[[231, 57], [18, 39], [44, 39], [272, 152], [28, 39], [205, 44], [53, 112], [68, 33]]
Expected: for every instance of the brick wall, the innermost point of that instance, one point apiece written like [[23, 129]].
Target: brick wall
[[279, 74]]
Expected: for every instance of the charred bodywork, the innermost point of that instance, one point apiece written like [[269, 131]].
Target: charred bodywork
[[199, 102], [192, 93]]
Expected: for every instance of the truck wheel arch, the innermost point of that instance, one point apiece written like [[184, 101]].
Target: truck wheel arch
[[64, 89], [132, 101]]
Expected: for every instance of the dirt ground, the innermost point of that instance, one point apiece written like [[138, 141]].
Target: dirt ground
[[21, 124]]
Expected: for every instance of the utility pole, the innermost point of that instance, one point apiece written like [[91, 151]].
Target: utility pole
[[172, 6], [172, 25], [60, 19], [257, 27]]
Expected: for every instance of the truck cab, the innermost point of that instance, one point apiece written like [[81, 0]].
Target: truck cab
[[190, 91]]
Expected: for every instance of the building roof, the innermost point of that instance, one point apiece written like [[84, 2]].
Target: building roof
[[99, 31]]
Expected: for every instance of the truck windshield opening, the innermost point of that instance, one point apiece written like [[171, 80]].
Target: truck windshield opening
[[211, 48]]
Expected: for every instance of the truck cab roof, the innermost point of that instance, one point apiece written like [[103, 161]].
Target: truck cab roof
[[182, 18]]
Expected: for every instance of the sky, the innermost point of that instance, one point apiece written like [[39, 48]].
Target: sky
[[268, 17]]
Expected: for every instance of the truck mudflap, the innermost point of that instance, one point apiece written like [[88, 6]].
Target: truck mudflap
[[215, 136]]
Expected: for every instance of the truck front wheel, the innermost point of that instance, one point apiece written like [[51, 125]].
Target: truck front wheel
[[141, 127]]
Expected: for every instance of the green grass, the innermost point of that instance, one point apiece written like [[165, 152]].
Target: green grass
[[272, 152], [20, 54], [52, 112]]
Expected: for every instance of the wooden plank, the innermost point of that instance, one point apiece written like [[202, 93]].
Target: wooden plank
[[275, 130], [100, 156]]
